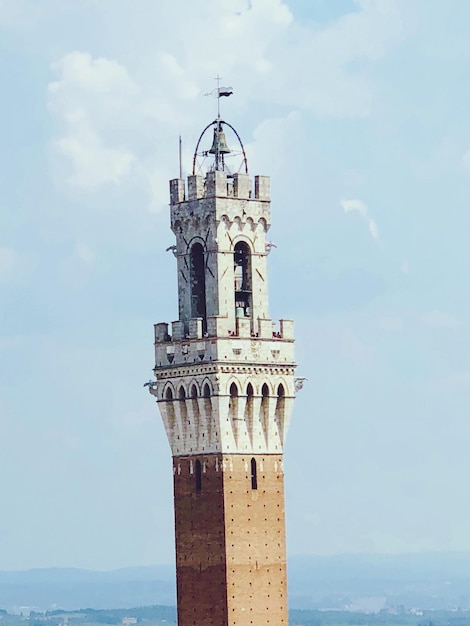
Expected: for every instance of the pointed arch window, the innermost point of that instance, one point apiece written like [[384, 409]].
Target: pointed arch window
[[198, 282], [249, 407], [280, 404], [265, 403], [183, 407], [233, 403], [242, 275]]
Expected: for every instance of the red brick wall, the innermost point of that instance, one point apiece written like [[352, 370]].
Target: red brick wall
[[230, 541]]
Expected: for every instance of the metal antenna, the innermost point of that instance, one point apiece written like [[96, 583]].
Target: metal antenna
[[180, 159], [218, 79]]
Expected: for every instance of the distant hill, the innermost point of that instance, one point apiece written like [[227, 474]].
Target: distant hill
[[352, 582]]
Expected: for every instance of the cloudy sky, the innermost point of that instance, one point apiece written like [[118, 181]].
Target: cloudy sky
[[359, 111]]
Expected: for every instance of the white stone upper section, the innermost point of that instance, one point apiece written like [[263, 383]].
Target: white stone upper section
[[224, 370], [218, 212], [239, 409]]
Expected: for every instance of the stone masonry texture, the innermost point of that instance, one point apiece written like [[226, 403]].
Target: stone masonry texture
[[230, 541]]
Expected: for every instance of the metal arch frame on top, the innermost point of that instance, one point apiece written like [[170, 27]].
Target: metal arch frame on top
[[219, 121]]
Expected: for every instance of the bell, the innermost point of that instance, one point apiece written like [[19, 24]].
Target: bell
[[219, 143]]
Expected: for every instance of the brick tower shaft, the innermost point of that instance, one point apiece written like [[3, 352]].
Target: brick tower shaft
[[230, 540]]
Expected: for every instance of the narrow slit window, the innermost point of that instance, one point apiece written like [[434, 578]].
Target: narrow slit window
[[198, 475], [254, 474]]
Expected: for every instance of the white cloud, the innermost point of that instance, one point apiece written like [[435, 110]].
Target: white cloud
[[8, 262], [391, 324], [456, 383], [361, 208], [88, 99], [84, 253], [93, 163], [93, 76], [438, 319], [114, 131], [466, 160], [115, 114]]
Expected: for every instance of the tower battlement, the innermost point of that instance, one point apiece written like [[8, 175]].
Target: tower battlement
[[220, 184]]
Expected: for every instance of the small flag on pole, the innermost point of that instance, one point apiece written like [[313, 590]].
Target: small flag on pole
[[225, 91]]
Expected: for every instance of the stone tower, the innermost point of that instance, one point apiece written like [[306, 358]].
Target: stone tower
[[225, 388]]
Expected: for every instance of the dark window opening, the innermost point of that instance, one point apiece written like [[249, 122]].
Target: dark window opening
[[264, 414], [233, 405], [198, 283], [183, 408], [169, 394], [198, 476], [249, 406], [207, 391], [254, 475], [280, 409], [242, 272]]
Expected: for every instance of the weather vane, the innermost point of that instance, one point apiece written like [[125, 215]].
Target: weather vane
[[219, 148], [219, 92]]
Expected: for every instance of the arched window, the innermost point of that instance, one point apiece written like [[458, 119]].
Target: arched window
[[183, 408], [207, 404], [170, 408], [249, 407], [264, 413], [254, 474], [198, 475], [195, 408], [198, 282], [280, 406], [233, 405], [242, 274]]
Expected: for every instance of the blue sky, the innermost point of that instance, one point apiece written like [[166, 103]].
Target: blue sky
[[359, 112]]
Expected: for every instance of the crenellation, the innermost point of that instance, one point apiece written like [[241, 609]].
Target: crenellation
[[195, 328], [195, 187], [262, 188], [241, 186], [177, 190], [202, 348], [161, 332], [287, 329], [177, 330], [215, 184]]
